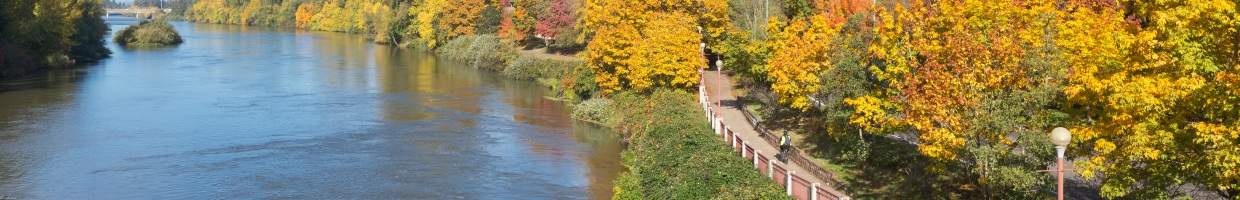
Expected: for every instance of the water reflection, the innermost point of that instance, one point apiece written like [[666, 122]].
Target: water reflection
[[240, 112]]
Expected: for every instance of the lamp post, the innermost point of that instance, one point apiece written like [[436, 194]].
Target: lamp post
[[1060, 137]]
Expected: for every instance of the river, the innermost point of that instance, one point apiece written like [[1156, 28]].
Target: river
[[258, 113]]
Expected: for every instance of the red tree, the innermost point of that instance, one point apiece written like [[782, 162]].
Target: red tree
[[559, 18]]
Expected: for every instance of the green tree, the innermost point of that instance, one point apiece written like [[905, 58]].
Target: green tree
[[35, 34]]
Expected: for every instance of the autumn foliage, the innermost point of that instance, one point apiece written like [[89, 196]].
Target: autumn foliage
[[460, 16], [1149, 88], [558, 18], [641, 45], [800, 56], [1155, 94], [305, 12]]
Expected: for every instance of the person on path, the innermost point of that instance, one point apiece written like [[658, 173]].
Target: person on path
[[785, 144]]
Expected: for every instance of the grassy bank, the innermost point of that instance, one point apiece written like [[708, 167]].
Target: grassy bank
[[672, 153], [568, 78]]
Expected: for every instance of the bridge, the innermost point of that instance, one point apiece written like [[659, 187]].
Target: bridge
[[140, 13]]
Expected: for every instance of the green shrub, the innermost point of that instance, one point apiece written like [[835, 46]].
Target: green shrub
[[480, 51], [566, 41], [148, 34], [593, 110], [529, 67], [673, 155], [578, 83]]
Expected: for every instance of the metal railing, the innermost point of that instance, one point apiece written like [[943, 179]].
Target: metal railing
[[793, 184]]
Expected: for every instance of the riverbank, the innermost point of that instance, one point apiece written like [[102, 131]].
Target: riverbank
[[256, 113], [32, 43], [676, 158], [672, 153], [567, 76]]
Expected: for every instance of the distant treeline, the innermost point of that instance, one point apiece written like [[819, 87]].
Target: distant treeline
[[38, 34], [422, 22], [178, 7]]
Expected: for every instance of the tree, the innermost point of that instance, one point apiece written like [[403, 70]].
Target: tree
[[425, 18], [612, 56], [1153, 89], [559, 18], [628, 57], [89, 30], [622, 32], [304, 13], [800, 56], [975, 81], [798, 8], [459, 17], [250, 11], [525, 16], [628, 53], [36, 34], [668, 56]]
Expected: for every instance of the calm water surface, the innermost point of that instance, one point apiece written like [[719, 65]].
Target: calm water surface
[[244, 112]]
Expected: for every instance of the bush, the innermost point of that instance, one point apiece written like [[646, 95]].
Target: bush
[[528, 67], [578, 83], [593, 110], [148, 34], [479, 51], [566, 41], [673, 155]]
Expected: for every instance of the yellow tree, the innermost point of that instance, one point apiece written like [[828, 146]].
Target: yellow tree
[[1155, 94], [800, 56], [608, 58], [973, 80], [643, 44], [424, 17], [713, 17], [251, 9], [668, 55]]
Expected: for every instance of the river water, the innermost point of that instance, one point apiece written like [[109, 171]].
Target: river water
[[242, 113]]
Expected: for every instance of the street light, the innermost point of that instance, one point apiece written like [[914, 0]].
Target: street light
[[1060, 137]]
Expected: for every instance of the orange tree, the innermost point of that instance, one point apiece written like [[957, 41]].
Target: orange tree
[[973, 80], [304, 13], [459, 17]]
